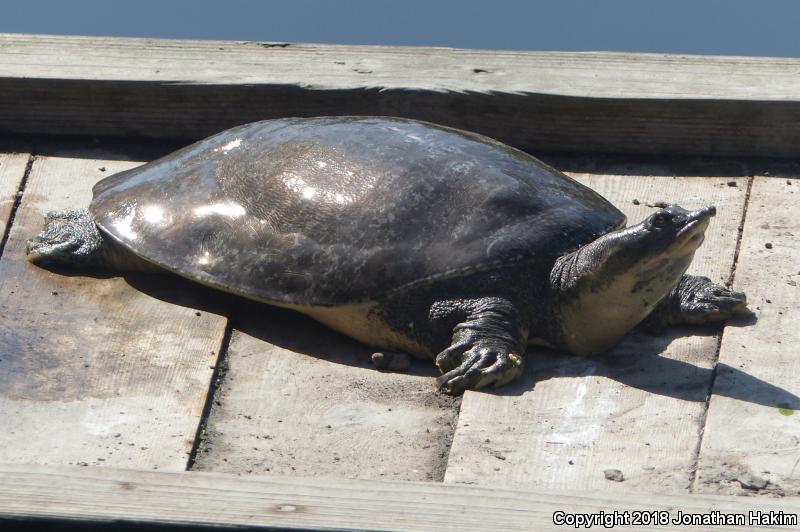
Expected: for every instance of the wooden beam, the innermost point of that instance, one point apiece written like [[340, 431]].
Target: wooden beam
[[639, 409], [96, 367], [752, 436], [97, 496], [609, 102]]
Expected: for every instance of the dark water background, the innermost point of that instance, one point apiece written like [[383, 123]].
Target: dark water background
[[729, 27]]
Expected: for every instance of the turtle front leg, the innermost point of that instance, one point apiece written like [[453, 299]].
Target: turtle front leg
[[487, 347], [697, 300]]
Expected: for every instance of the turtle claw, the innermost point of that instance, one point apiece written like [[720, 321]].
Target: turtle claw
[[713, 304], [452, 357], [480, 367]]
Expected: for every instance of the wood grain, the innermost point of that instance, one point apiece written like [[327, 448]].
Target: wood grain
[[638, 409], [97, 496], [96, 368], [12, 170], [612, 102], [752, 436], [297, 398]]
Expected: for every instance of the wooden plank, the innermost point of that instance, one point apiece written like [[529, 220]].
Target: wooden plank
[[638, 409], [651, 103], [95, 368], [12, 170], [96, 496], [297, 398], [752, 434]]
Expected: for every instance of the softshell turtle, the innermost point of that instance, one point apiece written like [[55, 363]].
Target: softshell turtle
[[408, 236]]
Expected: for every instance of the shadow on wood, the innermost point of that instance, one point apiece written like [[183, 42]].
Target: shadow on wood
[[281, 327], [638, 362], [291, 330], [635, 362]]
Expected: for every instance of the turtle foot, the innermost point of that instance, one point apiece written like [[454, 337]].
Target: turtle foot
[[476, 365], [712, 303]]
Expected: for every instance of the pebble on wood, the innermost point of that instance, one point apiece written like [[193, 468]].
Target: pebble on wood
[[391, 361], [752, 482]]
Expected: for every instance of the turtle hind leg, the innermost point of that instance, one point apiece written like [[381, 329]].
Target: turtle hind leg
[[487, 347], [68, 237], [697, 300]]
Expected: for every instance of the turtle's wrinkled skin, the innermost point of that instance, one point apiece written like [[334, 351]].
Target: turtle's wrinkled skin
[[405, 235]]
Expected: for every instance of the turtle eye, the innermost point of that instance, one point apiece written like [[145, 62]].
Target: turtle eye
[[660, 219]]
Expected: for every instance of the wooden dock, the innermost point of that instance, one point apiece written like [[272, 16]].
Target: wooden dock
[[135, 399]]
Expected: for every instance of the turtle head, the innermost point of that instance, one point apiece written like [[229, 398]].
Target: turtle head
[[608, 286], [68, 237], [656, 251]]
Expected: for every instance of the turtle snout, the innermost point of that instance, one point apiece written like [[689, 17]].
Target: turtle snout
[[694, 226], [35, 244], [36, 249], [708, 212], [700, 217], [46, 247]]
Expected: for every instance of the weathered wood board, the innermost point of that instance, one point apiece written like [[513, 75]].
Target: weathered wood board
[[606, 102], [752, 435], [12, 170], [297, 398], [116, 498], [95, 368], [639, 409]]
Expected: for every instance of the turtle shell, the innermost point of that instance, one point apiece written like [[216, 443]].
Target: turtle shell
[[335, 210]]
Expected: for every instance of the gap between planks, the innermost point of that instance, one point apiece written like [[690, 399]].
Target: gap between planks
[[14, 171], [298, 398], [715, 368], [752, 437], [638, 409]]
